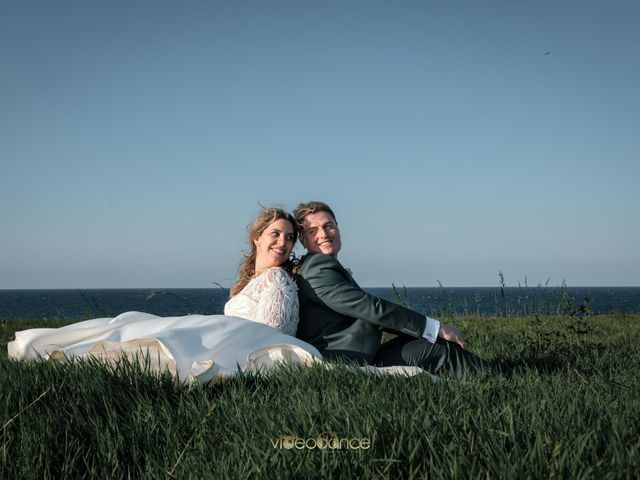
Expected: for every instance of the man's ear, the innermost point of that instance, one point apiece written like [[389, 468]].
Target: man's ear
[[303, 242], [255, 242]]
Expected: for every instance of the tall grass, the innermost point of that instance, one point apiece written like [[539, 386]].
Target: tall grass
[[529, 301], [570, 410]]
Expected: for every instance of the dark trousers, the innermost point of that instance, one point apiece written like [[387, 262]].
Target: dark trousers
[[439, 357]]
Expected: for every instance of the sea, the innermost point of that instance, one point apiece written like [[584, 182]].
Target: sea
[[97, 303]]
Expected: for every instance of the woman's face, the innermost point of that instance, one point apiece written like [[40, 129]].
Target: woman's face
[[274, 245]]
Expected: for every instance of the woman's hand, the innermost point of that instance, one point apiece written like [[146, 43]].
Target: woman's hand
[[451, 334]]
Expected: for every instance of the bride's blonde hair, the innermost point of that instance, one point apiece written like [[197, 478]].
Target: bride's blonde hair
[[247, 268]]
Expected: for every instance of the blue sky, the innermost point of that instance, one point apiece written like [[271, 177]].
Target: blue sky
[[452, 139]]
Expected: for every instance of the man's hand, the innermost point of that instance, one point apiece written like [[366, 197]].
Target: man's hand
[[451, 334]]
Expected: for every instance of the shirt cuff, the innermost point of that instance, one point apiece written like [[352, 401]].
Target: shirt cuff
[[431, 329]]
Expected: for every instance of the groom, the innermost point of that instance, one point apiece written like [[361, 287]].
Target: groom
[[343, 321]]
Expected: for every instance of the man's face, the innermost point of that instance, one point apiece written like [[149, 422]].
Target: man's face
[[320, 234]]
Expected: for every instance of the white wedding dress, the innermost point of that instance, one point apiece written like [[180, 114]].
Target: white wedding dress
[[255, 333], [270, 298]]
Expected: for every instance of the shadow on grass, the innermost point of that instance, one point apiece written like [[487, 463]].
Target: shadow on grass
[[547, 364]]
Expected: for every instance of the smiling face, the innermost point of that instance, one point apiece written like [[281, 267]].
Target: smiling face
[[320, 234], [274, 245]]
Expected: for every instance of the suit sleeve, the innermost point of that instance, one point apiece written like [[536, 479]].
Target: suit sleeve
[[335, 290]]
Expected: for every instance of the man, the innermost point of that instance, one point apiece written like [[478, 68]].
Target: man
[[343, 321]]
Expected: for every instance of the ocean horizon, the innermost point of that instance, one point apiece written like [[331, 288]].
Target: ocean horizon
[[81, 303]]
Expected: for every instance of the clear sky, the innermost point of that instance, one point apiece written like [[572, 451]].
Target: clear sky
[[453, 139]]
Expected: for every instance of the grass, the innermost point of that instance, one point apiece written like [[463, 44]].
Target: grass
[[541, 300], [570, 410]]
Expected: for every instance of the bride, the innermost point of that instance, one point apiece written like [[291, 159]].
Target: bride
[[256, 331]]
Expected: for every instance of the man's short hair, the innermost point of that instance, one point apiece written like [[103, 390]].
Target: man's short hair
[[308, 208]]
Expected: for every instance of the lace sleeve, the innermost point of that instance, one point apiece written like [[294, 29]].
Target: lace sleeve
[[278, 302]]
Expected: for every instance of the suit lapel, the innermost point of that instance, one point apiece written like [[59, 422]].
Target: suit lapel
[[347, 273]]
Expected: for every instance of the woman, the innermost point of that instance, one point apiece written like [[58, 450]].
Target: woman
[[266, 292], [256, 331]]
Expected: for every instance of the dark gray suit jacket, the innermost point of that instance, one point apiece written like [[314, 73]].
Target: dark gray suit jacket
[[342, 320]]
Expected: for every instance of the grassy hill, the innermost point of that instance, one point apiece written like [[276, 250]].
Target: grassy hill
[[569, 410]]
